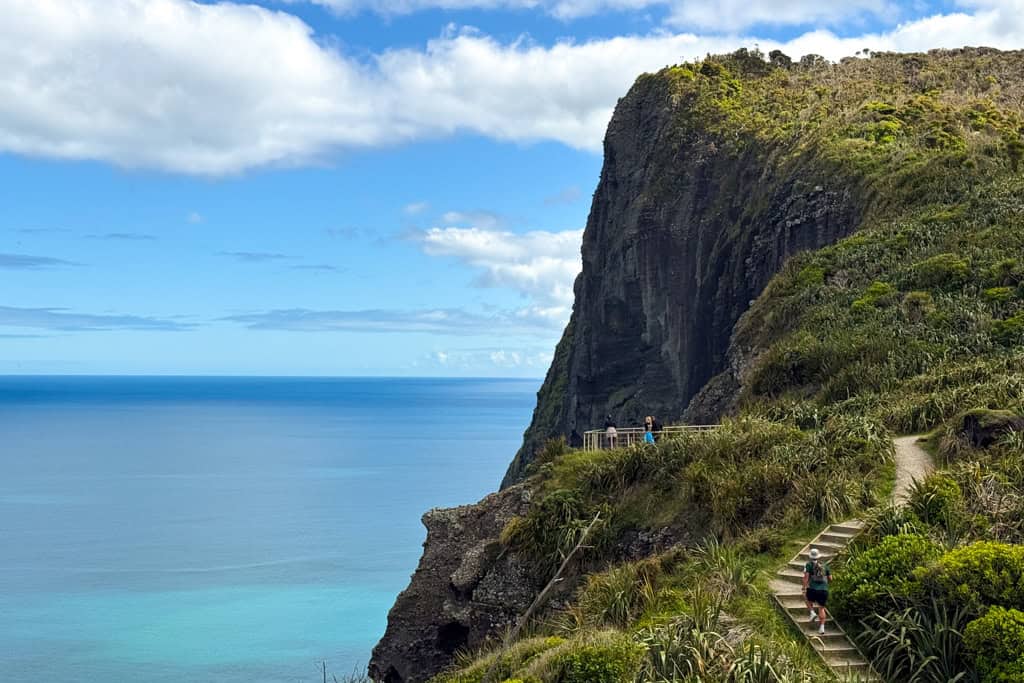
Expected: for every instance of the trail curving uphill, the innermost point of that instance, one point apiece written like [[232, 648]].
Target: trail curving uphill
[[912, 463], [834, 646]]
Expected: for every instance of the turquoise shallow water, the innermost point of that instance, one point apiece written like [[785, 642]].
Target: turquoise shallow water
[[202, 529]]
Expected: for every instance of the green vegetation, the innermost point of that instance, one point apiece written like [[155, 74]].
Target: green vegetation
[[914, 323]]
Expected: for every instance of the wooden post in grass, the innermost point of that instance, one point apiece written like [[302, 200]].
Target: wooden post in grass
[[537, 602]]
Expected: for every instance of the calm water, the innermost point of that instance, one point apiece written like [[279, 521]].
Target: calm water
[[228, 530]]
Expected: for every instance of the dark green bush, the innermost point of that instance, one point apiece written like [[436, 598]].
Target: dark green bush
[[881, 577], [942, 271], [917, 305], [1009, 331], [980, 575], [996, 645], [877, 294], [610, 659]]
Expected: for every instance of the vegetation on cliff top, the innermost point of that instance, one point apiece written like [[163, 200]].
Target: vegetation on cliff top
[[915, 323]]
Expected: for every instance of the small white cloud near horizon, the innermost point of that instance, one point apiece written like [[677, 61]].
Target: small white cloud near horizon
[[541, 266], [159, 90]]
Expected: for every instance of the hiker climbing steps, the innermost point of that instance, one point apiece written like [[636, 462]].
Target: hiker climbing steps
[[834, 647]]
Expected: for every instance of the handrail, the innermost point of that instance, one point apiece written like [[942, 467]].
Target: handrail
[[598, 439]]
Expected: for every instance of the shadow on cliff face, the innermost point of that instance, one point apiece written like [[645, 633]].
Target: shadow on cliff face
[[683, 234]]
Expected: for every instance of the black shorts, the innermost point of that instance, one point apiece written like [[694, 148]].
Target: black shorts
[[817, 596]]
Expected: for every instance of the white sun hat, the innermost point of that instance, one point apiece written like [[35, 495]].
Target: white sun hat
[[815, 554]]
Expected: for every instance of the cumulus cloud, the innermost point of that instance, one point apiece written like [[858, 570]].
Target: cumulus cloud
[[448, 321], [148, 83], [540, 265], [62, 319], [504, 358], [26, 262]]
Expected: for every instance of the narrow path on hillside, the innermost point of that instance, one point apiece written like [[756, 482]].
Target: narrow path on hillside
[[912, 463], [834, 647]]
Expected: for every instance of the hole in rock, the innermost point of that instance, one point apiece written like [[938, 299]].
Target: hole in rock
[[452, 636], [392, 676]]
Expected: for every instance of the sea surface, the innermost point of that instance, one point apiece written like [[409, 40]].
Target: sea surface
[[226, 529]]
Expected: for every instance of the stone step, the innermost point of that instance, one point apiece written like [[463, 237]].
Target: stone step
[[791, 575], [824, 546], [800, 613], [835, 646], [831, 630], [846, 661], [837, 537]]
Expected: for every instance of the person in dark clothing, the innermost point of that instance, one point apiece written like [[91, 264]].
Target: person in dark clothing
[[816, 580], [656, 428], [575, 440]]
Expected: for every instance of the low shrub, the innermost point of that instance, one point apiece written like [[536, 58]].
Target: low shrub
[[920, 644], [616, 597], [936, 499], [882, 577], [996, 645], [876, 295], [980, 575], [513, 659], [605, 657], [942, 271], [917, 305], [1010, 330]]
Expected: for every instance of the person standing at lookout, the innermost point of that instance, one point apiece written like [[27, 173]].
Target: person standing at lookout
[[610, 431], [816, 579]]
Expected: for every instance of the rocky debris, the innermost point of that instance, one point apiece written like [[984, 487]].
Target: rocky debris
[[682, 236], [465, 589]]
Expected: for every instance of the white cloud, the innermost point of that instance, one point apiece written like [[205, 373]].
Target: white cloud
[[478, 219], [540, 265], [194, 218], [149, 83], [443, 321]]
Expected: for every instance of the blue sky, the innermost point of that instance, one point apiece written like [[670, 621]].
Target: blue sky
[[341, 187]]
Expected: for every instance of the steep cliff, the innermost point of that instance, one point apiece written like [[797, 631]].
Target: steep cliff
[[689, 222], [721, 277]]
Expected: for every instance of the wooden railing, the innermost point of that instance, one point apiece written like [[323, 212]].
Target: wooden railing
[[597, 439]]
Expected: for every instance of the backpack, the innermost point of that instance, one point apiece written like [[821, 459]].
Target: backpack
[[818, 574]]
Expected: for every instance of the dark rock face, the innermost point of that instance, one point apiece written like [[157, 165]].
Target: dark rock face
[[681, 237], [464, 590], [982, 428]]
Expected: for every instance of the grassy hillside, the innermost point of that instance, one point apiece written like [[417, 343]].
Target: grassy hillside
[[913, 324]]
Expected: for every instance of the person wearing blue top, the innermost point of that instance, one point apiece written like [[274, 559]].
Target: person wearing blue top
[[648, 435]]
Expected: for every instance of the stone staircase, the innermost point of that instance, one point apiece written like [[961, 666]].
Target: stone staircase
[[834, 647]]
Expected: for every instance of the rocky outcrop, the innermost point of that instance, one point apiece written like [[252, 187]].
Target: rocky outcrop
[[982, 427], [464, 590], [683, 233]]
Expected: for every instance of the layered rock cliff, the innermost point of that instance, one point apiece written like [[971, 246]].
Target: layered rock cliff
[[687, 226]]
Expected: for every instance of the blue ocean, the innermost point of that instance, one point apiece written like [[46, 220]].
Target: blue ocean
[[226, 529]]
